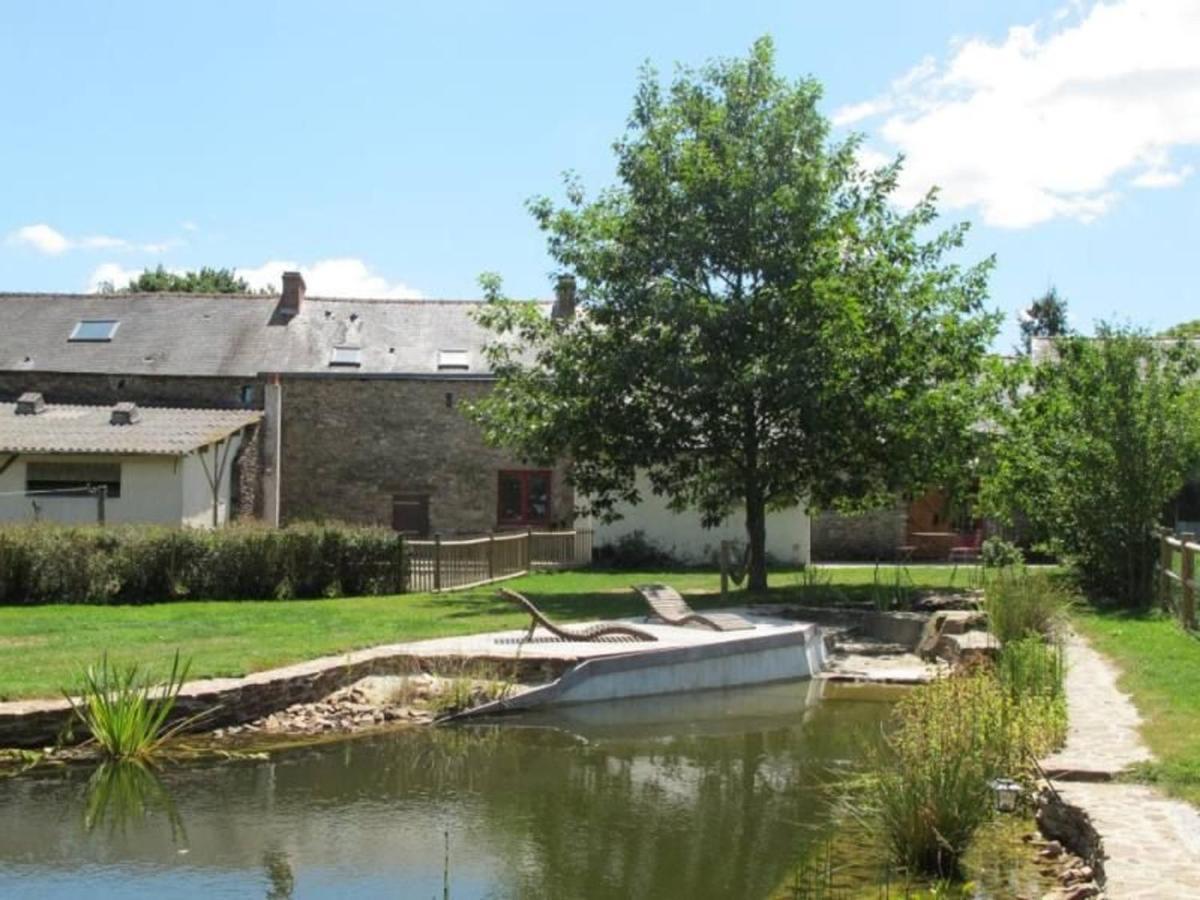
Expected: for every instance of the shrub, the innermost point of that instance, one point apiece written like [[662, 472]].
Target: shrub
[[633, 550], [997, 553], [1020, 604], [152, 564]]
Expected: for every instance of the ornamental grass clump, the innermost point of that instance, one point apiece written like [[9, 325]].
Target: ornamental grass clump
[[1021, 604], [126, 712]]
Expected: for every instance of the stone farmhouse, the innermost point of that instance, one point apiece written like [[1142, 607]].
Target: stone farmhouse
[[197, 408]]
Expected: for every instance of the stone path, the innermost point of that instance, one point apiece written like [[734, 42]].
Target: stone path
[[1151, 843]]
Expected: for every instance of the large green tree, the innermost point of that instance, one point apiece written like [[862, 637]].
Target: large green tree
[[761, 325], [204, 281], [1094, 444]]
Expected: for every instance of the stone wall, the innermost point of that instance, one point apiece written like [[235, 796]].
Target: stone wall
[[350, 444], [867, 536]]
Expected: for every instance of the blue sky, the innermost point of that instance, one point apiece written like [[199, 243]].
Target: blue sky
[[388, 148]]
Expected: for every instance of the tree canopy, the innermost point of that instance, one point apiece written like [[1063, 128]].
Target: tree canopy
[[761, 325], [1094, 444], [1046, 316], [1184, 330], [205, 281]]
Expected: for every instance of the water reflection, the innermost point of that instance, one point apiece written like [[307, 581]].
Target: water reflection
[[715, 795]]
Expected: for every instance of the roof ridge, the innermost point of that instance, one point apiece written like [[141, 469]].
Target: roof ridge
[[187, 295]]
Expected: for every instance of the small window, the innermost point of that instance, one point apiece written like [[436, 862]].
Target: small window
[[346, 356], [72, 479], [524, 498], [410, 514], [454, 361], [94, 330]]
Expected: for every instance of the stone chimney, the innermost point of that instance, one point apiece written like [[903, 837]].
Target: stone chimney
[[125, 414], [30, 403], [293, 294], [564, 298]]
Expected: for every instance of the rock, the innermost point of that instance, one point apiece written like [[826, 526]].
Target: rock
[[1052, 850]]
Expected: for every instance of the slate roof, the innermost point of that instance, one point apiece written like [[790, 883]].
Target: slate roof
[[235, 335], [61, 428]]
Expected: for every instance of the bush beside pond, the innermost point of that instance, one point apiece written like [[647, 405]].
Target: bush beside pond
[[153, 564]]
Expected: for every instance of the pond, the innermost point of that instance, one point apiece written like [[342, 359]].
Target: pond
[[714, 795]]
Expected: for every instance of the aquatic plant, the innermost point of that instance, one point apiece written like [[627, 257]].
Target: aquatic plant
[[1020, 604], [121, 792], [126, 711]]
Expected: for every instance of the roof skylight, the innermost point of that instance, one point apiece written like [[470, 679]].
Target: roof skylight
[[453, 361], [94, 330], [346, 356]]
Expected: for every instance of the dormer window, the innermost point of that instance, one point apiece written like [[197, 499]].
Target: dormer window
[[453, 361], [346, 356], [94, 330]]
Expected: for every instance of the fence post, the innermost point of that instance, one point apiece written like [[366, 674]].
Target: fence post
[[437, 562], [1188, 574], [403, 568], [101, 498], [491, 555], [529, 549], [724, 569]]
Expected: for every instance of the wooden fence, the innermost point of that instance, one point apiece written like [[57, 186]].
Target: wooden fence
[[1176, 575], [443, 565]]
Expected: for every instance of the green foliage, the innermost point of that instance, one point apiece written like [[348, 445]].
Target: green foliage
[[1091, 449], [931, 788], [205, 281], [1045, 317], [1021, 605], [152, 564], [997, 553], [1189, 329], [633, 550], [761, 326], [126, 712], [1031, 670]]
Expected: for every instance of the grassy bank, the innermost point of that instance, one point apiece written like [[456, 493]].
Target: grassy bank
[[43, 648], [1160, 666]]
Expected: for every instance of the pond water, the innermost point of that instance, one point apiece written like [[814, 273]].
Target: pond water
[[714, 795]]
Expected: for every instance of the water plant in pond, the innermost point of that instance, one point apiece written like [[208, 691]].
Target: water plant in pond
[[123, 792], [1020, 604], [126, 711]]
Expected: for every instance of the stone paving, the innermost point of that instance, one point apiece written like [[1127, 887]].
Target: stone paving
[[1151, 843]]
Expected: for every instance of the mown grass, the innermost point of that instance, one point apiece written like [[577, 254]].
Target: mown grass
[[42, 648], [1160, 669]]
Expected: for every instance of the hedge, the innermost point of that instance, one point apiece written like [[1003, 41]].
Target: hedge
[[46, 563]]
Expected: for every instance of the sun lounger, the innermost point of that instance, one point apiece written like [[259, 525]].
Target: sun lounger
[[668, 606], [602, 631]]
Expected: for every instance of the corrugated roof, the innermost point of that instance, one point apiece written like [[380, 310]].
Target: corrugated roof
[[235, 335], [86, 429]]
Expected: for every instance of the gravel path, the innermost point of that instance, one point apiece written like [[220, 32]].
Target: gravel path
[[1152, 843]]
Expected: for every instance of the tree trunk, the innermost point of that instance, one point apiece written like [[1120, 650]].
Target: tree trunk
[[756, 531]]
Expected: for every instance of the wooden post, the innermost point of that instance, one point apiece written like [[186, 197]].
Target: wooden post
[[1188, 574], [1164, 567], [529, 549], [101, 499], [724, 570], [403, 568], [491, 556], [437, 561]]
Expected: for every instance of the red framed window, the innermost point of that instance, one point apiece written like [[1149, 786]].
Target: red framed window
[[524, 497]]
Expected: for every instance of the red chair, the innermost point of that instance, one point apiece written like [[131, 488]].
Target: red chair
[[967, 551]]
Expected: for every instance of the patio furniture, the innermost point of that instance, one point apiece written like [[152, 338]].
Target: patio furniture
[[602, 631], [668, 606], [968, 550]]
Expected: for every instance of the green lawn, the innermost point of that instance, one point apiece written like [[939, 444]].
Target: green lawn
[[42, 648], [1160, 666]]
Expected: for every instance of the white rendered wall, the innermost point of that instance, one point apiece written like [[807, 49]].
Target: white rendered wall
[[197, 495], [150, 492], [788, 531]]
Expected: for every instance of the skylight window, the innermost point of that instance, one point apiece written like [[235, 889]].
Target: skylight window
[[94, 330], [346, 356], [453, 361]]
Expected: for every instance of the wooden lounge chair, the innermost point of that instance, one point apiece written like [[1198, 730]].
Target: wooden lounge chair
[[668, 606], [602, 631]]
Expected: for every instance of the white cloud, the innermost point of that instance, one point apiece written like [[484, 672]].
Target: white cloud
[[341, 277], [52, 242], [111, 274], [1056, 119], [42, 238]]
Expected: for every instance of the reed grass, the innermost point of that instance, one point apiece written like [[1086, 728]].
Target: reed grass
[[1021, 604], [126, 711]]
